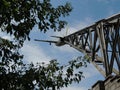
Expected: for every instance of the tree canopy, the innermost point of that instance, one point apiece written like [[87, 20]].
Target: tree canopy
[[17, 19]]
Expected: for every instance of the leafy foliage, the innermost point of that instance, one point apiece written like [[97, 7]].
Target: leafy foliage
[[17, 19], [42, 76]]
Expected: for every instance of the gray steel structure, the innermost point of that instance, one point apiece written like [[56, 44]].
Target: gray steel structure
[[101, 42]]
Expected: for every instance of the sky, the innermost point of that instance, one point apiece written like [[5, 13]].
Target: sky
[[85, 12]]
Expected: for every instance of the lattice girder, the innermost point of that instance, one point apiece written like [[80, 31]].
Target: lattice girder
[[101, 42]]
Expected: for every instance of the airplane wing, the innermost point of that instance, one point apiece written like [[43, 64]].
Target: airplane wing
[[46, 41], [56, 36]]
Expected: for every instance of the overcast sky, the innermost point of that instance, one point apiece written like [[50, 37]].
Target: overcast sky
[[85, 12]]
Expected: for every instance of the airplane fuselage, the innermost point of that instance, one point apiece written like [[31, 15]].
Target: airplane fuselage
[[60, 42]]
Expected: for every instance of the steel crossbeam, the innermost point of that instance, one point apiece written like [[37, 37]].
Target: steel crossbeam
[[101, 42]]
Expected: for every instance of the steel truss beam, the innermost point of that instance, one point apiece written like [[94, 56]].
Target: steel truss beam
[[101, 42]]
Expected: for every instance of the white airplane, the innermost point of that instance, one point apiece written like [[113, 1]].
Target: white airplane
[[60, 42]]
